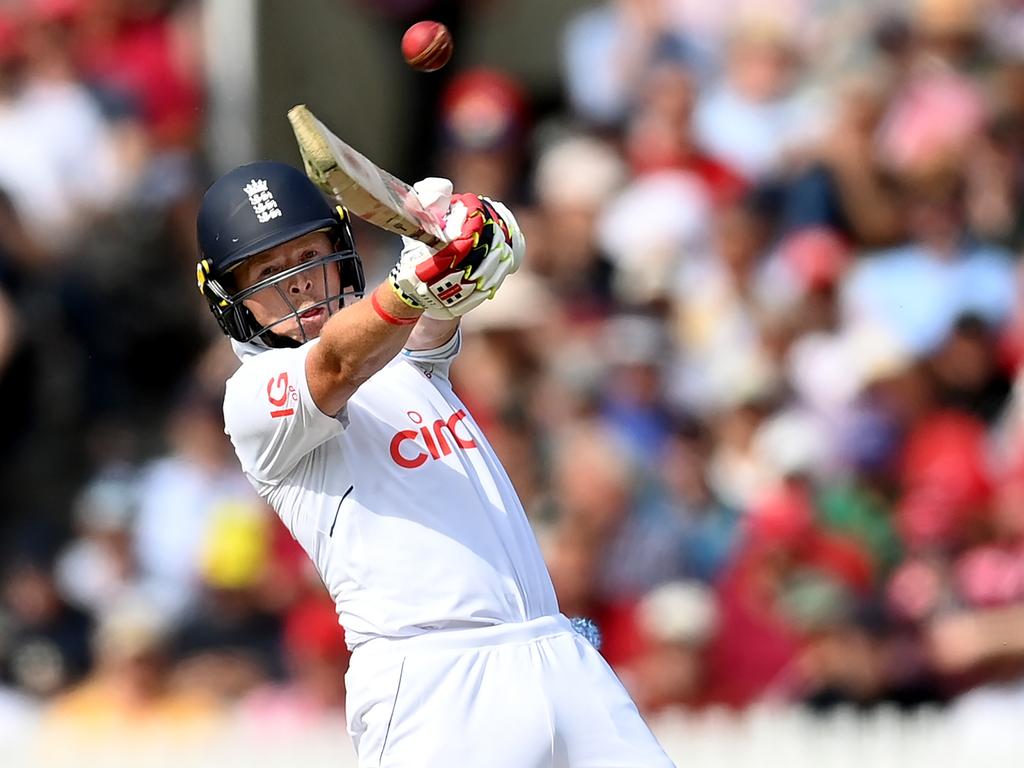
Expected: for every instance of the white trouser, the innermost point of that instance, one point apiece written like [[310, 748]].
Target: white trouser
[[529, 695]]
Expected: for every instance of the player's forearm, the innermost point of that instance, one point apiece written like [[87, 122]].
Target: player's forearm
[[356, 343], [429, 333]]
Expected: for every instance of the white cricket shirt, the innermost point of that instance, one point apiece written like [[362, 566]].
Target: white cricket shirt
[[399, 501]]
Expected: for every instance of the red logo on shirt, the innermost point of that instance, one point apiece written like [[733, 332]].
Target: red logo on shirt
[[410, 448], [279, 392]]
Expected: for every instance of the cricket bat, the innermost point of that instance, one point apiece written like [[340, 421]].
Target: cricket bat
[[367, 191]]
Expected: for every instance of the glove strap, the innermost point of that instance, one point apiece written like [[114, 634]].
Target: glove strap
[[401, 294]]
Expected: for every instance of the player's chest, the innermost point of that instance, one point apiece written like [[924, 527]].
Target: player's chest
[[406, 422]]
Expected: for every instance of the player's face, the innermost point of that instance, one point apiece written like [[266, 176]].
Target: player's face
[[298, 293]]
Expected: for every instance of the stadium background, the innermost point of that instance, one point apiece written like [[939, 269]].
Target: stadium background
[[755, 386]]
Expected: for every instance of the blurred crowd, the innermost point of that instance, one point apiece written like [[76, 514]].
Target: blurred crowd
[[755, 384]]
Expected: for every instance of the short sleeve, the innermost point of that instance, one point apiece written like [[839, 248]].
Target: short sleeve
[[438, 361], [270, 415]]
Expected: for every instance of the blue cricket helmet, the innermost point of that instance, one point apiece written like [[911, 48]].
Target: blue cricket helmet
[[250, 210]]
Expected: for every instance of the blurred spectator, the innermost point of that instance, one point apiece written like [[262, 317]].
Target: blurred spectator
[[843, 186], [635, 349], [45, 645], [652, 230], [967, 373], [130, 695], [710, 527], [946, 483], [930, 124], [608, 50], [484, 127], [918, 291], [144, 56], [195, 483], [736, 472], [659, 135], [574, 179], [59, 165], [993, 166], [230, 641], [677, 620], [719, 316], [861, 511], [788, 577], [599, 491], [315, 659], [756, 114], [98, 566]]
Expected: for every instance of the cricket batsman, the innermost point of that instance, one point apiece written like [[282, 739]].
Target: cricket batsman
[[344, 419]]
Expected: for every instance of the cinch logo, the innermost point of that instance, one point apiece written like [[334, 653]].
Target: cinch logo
[[410, 448], [262, 200]]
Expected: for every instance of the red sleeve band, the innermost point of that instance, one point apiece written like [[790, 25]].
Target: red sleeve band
[[387, 316]]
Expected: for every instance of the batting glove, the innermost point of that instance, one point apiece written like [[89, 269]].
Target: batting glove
[[486, 246]]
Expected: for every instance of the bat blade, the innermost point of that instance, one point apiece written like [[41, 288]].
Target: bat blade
[[367, 191]]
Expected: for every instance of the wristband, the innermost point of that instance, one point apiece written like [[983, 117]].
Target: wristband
[[387, 316]]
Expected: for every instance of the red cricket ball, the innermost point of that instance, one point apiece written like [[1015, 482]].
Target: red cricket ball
[[427, 46]]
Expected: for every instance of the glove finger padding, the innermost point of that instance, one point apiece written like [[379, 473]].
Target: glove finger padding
[[506, 252], [439, 280], [510, 227], [468, 248], [434, 194], [487, 246]]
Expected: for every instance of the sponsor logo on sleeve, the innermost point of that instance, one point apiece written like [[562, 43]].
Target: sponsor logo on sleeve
[[281, 395]]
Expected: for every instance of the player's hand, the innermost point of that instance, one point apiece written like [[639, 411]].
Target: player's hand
[[486, 246]]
